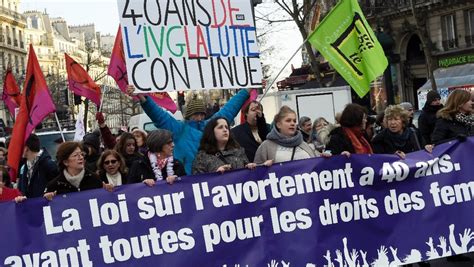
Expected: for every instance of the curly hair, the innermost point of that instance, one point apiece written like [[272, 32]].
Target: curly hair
[[65, 150], [209, 141], [394, 111], [105, 154]]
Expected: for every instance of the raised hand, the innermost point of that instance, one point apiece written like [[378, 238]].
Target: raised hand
[[273, 263], [284, 264], [443, 246], [339, 258], [465, 239]]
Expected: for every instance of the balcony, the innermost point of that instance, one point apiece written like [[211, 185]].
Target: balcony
[[450, 44], [386, 7], [469, 40], [12, 15], [9, 40], [15, 42]]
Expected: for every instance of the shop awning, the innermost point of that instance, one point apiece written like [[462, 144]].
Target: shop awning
[[455, 76]]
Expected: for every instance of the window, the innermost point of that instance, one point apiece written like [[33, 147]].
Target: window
[[470, 28], [448, 24]]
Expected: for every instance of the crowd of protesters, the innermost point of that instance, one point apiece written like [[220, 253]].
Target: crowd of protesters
[[199, 145]]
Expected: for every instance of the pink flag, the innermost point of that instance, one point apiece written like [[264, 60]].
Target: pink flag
[[118, 71], [11, 93]]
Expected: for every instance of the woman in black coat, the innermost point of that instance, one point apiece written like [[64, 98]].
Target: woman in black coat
[[397, 138], [73, 176], [455, 120], [112, 169], [159, 163]]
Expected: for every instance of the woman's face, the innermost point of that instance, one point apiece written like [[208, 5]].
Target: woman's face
[[320, 124], [75, 161], [395, 124], [130, 145], [306, 127], [287, 125], [466, 107], [221, 131], [2, 155], [168, 148], [139, 138], [111, 164]]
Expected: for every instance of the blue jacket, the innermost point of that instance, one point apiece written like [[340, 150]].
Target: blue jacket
[[187, 134], [44, 171]]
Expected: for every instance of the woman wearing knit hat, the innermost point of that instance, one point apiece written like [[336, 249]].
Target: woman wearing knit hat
[[187, 134], [159, 163], [427, 120]]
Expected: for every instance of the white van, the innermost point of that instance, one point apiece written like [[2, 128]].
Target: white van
[[143, 122]]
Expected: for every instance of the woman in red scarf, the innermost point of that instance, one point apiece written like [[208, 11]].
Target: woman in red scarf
[[349, 138]]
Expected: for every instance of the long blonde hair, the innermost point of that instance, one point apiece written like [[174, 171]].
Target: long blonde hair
[[455, 100]]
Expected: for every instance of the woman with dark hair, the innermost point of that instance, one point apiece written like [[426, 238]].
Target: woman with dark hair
[[159, 163], [141, 136], [284, 142], [218, 151], [397, 138], [127, 147], [455, 120], [349, 138], [73, 176], [112, 169]]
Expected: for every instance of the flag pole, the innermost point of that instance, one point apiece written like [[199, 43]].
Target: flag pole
[[102, 99], [281, 70], [59, 126]]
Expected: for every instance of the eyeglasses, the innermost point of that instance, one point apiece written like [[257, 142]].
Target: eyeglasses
[[78, 154], [107, 162]]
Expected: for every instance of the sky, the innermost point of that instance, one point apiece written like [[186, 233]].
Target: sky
[[104, 14]]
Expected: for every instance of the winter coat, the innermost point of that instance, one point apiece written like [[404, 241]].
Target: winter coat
[[384, 143], [446, 130], [62, 186], [187, 134], [244, 136], [141, 170], [44, 171], [339, 142], [427, 122], [204, 162], [268, 149]]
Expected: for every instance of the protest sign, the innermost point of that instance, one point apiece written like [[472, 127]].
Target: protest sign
[[180, 45], [361, 210]]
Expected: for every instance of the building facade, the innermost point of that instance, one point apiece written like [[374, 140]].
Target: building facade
[[446, 25]]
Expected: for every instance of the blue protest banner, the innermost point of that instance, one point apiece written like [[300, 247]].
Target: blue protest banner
[[362, 210]]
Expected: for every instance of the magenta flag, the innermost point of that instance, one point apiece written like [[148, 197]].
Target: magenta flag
[[11, 93], [118, 71]]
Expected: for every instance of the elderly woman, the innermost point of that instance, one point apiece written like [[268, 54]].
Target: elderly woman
[[349, 137], [73, 176], [127, 147], [159, 163], [218, 151], [112, 169], [455, 120], [320, 133], [284, 142], [398, 138]]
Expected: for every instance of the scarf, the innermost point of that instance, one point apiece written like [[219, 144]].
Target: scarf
[[155, 165], [30, 164], [74, 180], [467, 120], [360, 144], [115, 179], [283, 140], [399, 140]]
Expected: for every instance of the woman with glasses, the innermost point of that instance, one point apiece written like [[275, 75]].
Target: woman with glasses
[[159, 163], [73, 177], [112, 169]]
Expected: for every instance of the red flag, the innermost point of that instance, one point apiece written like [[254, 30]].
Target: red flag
[[11, 93], [118, 71], [80, 82], [36, 104], [252, 97]]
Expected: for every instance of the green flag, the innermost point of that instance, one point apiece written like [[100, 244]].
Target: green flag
[[346, 40]]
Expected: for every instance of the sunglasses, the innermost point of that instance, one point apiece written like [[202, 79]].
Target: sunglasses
[[107, 162]]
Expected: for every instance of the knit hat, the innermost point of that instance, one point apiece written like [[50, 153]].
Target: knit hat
[[432, 96], [93, 140], [406, 106], [194, 106], [157, 139]]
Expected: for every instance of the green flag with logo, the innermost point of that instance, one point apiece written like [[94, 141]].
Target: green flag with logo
[[346, 40]]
